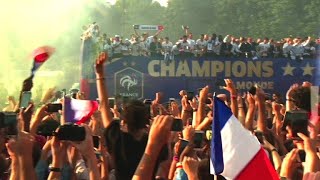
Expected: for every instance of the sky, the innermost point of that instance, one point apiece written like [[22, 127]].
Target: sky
[[162, 2]]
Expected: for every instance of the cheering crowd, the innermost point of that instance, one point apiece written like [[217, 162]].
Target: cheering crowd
[[157, 139], [295, 48]]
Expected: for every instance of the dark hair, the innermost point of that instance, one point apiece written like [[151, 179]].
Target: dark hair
[[301, 98], [135, 115], [204, 170]]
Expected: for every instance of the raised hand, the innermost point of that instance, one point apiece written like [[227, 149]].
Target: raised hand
[[102, 58], [289, 164], [193, 103], [190, 166], [184, 103], [27, 84], [250, 99], [188, 133], [312, 163], [291, 90], [25, 117], [230, 87], [160, 130], [276, 107], [86, 147], [203, 95], [260, 95], [48, 95]]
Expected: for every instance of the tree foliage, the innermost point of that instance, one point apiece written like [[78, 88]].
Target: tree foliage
[[269, 18]]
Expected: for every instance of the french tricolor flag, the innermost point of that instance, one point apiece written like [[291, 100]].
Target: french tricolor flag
[[40, 55], [78, 111], [235, 152]]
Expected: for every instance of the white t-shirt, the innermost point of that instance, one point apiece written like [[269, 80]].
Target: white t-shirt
[[116, 47], [264, 47], [192, 43], [297, 49], [149, 40], [185, 46], [135, 49], [201, 43], [167, 46]]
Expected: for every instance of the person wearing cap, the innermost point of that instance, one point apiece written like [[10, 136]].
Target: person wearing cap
[[116, 47]]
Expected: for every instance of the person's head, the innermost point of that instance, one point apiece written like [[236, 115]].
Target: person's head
[[184, 38], [249, 40], [214, 36], [137, 39], [301, 98], [206, 37], [202, 36], [183, 93], [265, 40], [108, 41], [166, 39], [145, 35], [155, 39], [190, 36], [135, 115], [242, 39], [117, 38], [276, 97], [271, 41], [161, 39]]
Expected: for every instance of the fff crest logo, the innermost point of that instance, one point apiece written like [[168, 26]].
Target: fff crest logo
[[129, 82]]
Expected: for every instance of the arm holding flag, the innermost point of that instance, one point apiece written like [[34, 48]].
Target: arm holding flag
[[102, 90]]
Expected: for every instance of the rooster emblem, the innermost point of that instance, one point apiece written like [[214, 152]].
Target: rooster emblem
[[127, 82]]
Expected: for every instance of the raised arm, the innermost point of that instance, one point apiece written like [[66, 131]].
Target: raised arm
[[158, 32], [250, 112], [261, 121], [241, 112], [233, 96], [136, 33], [201, 114], [289, 100], [103, 90], [312, 160], [158, 137]]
